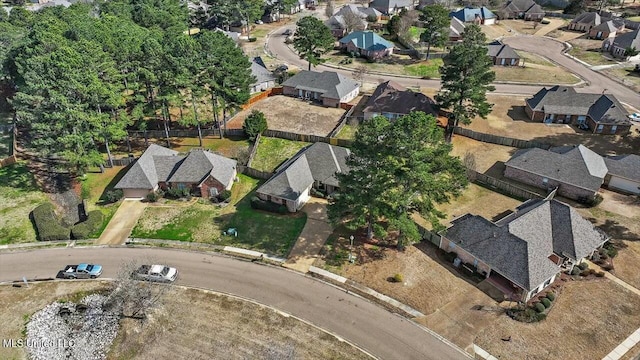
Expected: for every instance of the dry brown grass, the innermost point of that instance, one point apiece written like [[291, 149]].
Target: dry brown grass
[[535, 74], [198, 325], [18, 304], [520, 26], [486, 154], [286, 113], [588, 320], [479, 201]]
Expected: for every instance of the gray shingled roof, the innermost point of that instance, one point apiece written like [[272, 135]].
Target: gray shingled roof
[[602, 108], [501, 51], [456, 27], [526, 6], [518, 247], [158, 163], [261, 73], [142, 174], [607, 26], [330, 84], [588, 18], [199, 164], [625, 166], [390, 4], [576, 166], [392, 97], [318, 162], [630, 39]]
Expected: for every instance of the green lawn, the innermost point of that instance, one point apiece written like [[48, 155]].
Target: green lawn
[[95, 185], [589, 56], [273, 151], [348, 132], [19, 195], [204, 222], [429, 69]]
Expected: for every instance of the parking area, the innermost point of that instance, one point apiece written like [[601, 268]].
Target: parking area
[[290, 114]]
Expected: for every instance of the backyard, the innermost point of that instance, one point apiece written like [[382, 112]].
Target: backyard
[[272, 152], [202, 221], [229, 146], [290, 114], [19, 195]]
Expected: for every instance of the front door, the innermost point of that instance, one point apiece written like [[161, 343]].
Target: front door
[[549, 118]]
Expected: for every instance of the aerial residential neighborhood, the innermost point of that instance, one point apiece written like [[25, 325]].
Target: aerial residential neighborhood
[[320, 179]]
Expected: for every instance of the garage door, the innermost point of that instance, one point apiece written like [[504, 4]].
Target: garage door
[[135, 193], [624, 185]]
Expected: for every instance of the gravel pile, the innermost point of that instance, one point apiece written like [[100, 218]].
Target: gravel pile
[[72, 331]]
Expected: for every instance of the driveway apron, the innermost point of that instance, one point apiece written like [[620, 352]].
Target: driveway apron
[[122, 223]]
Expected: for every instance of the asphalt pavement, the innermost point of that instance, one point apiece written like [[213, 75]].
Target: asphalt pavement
[[359, 321]]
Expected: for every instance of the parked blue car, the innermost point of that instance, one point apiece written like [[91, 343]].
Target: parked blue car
[[81, 271]]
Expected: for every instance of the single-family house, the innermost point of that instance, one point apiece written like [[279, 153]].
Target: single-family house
[[233, 35], [619, 44], [328, 87], [264, 79], [366, 44], [606, 29], [391, 7], [585, 22], [577, 172], [523, 253], [502, 54], [342, 22], [206, 174], [393, 100], [479, 16], [521, 9], [456, 29], [273, 11], [600, 113], [623, 173], [315, 167]]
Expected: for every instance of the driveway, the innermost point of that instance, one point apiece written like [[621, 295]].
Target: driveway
[[122, 222], [385, 335], [312, 238]]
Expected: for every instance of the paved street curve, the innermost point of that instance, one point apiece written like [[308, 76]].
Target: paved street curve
[[543, 46], [381, 333]]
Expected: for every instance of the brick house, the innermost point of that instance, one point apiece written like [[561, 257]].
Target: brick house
[[502, 54], [606, 30], [585, 21], [598, 113], [393, 100], [522, 253], [313, 167], [577, 172], [328, 88], [478, 16], [366, 44], [521, 9], [618, 45], [206, 174]]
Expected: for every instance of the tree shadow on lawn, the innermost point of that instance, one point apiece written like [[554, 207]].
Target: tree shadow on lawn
[[18, 176], [261, 230], [102, 200]]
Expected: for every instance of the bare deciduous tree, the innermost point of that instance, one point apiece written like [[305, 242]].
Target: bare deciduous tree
[[469, 161], [328, 11], [353, 22], [132, 298], [407, 20], [359, 73]]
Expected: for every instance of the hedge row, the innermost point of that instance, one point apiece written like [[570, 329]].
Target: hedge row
[[259, 204], [48, 224], [84, 229]]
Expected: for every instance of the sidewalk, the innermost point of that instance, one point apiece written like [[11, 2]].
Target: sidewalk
[[312, 238]]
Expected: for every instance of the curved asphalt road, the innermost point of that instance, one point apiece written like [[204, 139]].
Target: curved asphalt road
[[543, 46], [359, 321]]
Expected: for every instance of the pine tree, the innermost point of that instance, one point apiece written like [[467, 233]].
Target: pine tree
[[312, 39]]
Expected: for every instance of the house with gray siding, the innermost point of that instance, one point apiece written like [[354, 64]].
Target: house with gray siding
[[315, 167], [328, 88], [523, 253], [206, 174]]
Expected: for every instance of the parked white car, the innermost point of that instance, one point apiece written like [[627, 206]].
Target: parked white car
[[158, 273]]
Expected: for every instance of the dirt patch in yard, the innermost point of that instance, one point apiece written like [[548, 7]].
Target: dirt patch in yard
[[589, 317], [229, 329], [478, 200], [485, 154], [285, 113]]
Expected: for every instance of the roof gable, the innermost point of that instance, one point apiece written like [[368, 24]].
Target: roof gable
[[330, 84], [142, 174], [469, 14], [626, 166], [630, 39], [366, 40]]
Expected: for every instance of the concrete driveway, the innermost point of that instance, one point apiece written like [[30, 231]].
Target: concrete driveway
[[312, 238], [122, 223]]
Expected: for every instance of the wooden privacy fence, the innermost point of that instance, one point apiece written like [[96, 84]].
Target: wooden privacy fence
[[429, 235], [254, 173], [500, 140], [504, 186], [254, 149], [307, 138], [343, 121], [261, 96]]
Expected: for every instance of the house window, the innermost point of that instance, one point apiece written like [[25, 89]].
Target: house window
[[451, 246], [546, 283], [600, 128], [614, 128], [545, 181], [181, 186], [213, 192]]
